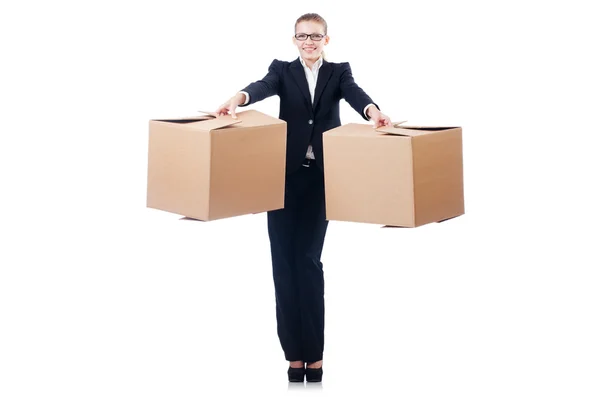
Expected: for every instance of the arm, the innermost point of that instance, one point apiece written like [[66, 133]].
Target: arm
[[261, 89], [353, 94]]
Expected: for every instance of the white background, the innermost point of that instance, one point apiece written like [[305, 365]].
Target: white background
[[100, 296]]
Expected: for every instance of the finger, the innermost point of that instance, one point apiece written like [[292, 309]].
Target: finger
[[232, 109]]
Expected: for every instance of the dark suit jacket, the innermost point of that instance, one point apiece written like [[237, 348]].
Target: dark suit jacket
[[306, 122]]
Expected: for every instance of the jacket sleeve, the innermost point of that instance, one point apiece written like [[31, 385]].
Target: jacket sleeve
[[352, 93], [268, 86]]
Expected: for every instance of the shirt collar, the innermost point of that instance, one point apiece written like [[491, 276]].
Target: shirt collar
[[317, 65]]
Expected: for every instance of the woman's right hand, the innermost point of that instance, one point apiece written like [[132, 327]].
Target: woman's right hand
[[230, 105]]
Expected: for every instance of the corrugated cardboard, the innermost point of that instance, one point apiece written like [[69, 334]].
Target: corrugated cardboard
[[397, 176], [211, 168]]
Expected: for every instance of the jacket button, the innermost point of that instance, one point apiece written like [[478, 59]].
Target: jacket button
[[310, 121]]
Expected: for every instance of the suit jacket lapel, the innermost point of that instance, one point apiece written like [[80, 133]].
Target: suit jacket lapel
[[324, 76], [300, 78]]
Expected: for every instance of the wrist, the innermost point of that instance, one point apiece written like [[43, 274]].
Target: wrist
[[372, 111], [240, 98]]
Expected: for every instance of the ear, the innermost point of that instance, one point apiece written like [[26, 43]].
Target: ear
[[326, 40]]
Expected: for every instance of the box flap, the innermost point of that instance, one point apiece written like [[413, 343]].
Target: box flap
[[254, 118], [184, 120], [209, 121], [220, 122], [189, 119], [410, 130], [250, 118]]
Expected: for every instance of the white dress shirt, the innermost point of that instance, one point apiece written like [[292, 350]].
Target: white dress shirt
[[312, 75]]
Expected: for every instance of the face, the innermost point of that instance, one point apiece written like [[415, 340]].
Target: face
[[310, 49]]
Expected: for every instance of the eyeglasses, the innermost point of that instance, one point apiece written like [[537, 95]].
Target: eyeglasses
[[313, 37]]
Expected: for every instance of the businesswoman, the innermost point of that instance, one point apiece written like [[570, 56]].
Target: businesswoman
[[310, 89]]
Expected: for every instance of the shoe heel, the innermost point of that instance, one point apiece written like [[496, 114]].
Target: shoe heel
[[314, 374], [296, 374]]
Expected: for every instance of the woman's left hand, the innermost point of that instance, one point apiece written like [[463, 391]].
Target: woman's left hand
[[379, 119]]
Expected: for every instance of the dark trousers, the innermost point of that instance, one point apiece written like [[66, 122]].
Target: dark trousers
[[297, 233]]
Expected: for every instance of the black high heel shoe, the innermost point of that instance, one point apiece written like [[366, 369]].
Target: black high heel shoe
[[296, 374], [314, 374]]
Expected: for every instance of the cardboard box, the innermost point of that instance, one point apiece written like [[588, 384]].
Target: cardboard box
[[397, 176], [209, 168]]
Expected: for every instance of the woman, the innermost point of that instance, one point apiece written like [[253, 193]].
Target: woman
[[310, 90]]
